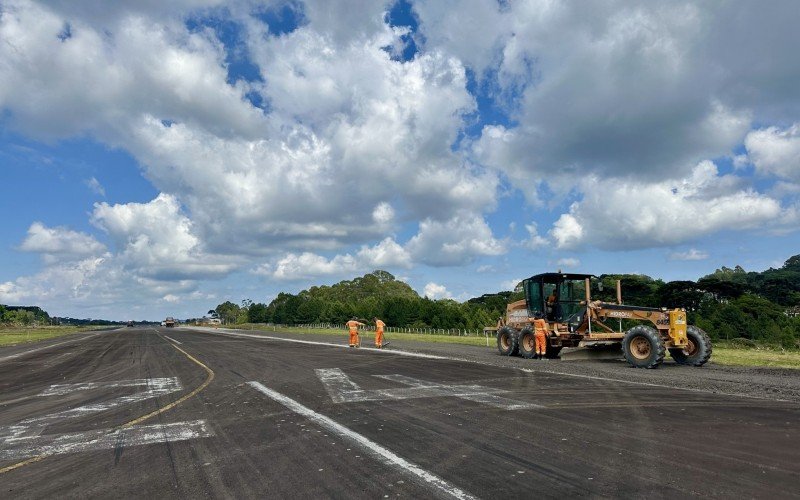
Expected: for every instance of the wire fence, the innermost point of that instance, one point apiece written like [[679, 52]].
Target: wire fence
[[456, 332], [460, 332]]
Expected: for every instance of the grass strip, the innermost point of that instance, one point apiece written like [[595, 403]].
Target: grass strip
[[22, 335]]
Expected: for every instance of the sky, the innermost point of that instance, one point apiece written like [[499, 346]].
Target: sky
[[158, 158]]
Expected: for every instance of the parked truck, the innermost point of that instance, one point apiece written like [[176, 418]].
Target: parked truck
[[573, 319]]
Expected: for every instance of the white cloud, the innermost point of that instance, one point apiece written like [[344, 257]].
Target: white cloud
[[171, 298], [95, 186], [435, 291], [691, 254], [568, 262], [775, 151], [624, 215], [307, 265], [157, 241], [60, 242], [456, 241], [534, 240]]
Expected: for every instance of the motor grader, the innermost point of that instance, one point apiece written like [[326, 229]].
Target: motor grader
[[574, 319]]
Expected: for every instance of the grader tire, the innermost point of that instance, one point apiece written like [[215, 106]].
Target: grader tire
[[643, 347], [507, 341], [527, 343], [697, 353]]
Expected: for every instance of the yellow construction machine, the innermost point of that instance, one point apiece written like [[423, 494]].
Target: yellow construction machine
[[574, 319]]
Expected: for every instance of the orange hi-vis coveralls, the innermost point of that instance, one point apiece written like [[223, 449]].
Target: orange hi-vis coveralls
[[353, 326], [540, 336], [379, 332]]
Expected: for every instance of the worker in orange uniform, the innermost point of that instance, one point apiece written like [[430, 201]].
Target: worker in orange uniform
[[540, 336], [378, 332], [353, 325], [551, 303]]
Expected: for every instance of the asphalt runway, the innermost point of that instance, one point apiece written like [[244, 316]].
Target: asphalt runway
[[161, 413]]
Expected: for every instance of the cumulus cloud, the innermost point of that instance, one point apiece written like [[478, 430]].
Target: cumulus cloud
[[619, 89], [775, 151], [60, 242], [691, 254], [534, 240], [307, 265], [454, 242], [435, 291], [156, 240], [624, 215]]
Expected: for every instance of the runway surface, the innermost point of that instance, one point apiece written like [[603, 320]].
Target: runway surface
[[186, 413]]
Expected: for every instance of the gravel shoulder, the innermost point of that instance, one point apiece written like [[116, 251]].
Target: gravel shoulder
[[754, 382]]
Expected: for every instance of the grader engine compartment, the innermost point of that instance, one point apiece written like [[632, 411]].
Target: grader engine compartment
[[573, 319]]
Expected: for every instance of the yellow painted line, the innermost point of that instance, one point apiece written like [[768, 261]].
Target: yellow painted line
[[209, 378]]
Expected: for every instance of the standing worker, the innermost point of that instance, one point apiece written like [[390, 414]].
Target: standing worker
[[378, 332], [353, 325], [540, 336]]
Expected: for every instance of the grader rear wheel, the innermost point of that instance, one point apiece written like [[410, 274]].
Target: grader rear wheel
[[507, 341], [643, 347], [697, 353]]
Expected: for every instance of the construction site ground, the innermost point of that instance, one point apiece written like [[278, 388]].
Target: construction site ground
[[196, 413]]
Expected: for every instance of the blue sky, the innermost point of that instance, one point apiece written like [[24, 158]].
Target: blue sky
[[160, 159]]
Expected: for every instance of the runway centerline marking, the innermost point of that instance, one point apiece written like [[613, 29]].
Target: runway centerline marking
[[384, 454], [179, 343], [342, 389]]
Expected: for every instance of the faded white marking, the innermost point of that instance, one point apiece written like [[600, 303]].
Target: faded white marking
[[342, 389], [31, 446], [179, 343], [150, 383], [34, 426], [379, 451], [19, 354]]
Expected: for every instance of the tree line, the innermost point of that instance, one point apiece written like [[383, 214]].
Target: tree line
[[730, 303]]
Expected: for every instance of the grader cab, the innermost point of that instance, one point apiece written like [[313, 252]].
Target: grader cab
[[574, 319]]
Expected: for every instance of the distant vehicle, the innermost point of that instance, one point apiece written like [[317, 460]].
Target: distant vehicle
[[163, 323], [169, 322], [130, 323]]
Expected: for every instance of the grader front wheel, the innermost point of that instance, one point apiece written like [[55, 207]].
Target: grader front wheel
[[697, 352], [643, 347]]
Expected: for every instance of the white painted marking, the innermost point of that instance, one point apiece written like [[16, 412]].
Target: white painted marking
[[483, 363], [342, 389], [379, 451], [179, 343], [34, 426], [19, 354], [31, 446]]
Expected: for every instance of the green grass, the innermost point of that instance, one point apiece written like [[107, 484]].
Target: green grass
[[756, 356], [21, 335]]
